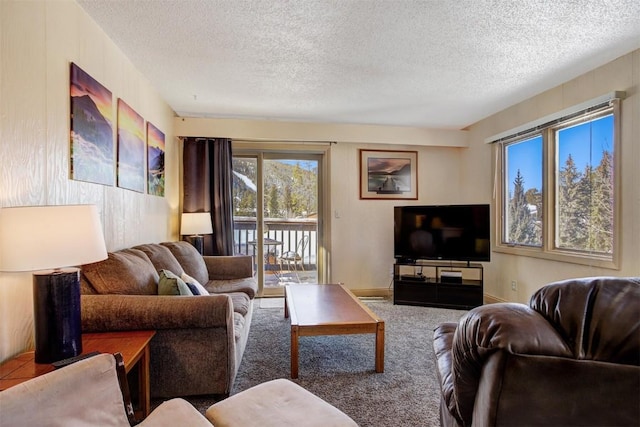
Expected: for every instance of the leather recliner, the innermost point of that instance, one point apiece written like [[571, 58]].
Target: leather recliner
[[571, 357]]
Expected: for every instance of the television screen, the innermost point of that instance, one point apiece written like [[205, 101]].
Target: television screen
[[446, 232]]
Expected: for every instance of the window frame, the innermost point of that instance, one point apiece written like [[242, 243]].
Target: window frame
[[548, 250]]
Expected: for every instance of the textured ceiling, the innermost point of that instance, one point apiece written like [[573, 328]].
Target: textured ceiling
[[431, 63]]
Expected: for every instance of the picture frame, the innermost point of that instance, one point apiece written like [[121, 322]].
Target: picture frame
[[91, 132], [155, 160], [131, 149], [388, 175]]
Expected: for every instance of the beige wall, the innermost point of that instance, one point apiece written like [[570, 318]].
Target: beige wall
[[38, 41], [622, 74], [360, 248]]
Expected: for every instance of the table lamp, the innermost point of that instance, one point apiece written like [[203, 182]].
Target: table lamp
[[48, 239], [195, 224]]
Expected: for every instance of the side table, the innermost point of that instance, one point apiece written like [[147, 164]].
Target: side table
[[133, 345]]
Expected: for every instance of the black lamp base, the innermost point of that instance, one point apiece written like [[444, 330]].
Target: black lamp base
[[57, 320], [198, 242]]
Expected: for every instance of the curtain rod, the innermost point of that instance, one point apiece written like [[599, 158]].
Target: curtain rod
[[267, 141], [556, 117]]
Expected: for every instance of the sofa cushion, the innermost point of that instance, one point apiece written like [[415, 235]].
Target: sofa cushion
[[238, 326], [170, 284], [241, 302], [277, 402], [161, 257], [246, 285], [128, 271], [190, 260]]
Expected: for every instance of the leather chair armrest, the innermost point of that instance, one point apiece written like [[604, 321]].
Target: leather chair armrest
[[509, 327], [442, 344]]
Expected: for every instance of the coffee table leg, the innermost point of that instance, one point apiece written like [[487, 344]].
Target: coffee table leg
[[380, 347], [294, 351]]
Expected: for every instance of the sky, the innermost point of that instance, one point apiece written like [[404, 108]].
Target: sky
[[527, 155], [304, 164]]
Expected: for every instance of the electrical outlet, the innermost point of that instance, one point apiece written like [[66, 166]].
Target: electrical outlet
[[514, 285], [391, 272]]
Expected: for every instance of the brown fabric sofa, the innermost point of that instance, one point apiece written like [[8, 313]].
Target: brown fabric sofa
[[571, 357], [199, 340]]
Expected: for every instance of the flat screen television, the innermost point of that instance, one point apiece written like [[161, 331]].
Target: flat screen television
[[444, 232]]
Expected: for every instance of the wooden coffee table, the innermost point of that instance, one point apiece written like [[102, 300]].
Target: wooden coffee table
[[329, 310]]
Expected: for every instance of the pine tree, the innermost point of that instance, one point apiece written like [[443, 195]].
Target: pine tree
[[601, 207], [272, 204], [522, 228], [572, 229]]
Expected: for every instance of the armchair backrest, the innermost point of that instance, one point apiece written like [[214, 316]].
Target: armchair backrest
[[598, 318], [86, 393]]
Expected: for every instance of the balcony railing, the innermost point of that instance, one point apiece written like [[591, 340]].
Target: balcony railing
[[285, 235]]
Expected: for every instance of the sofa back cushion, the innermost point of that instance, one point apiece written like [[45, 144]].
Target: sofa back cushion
[[128, 272], [190, 259], [161, 258]]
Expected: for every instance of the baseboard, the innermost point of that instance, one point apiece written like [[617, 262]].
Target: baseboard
[[490, 299], [388, 293], [373, 292]]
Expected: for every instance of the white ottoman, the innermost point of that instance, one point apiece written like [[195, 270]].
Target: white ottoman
[[276, 403]]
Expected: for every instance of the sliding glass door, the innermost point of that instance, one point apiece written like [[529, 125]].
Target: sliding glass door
[[277, 212]]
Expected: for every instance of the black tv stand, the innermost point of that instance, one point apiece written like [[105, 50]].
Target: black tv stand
[[422, 283]]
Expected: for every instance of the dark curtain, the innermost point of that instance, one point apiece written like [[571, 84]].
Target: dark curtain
[[207, 185]]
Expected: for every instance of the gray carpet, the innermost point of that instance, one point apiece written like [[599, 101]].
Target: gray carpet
[[340, 369]]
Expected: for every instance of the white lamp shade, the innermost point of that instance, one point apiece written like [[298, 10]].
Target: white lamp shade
[[196, 223], [48, 237]]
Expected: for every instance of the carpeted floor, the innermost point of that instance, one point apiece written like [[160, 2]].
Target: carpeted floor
[[340, 369]]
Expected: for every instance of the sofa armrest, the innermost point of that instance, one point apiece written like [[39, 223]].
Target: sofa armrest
[[509, 327], [152, 312], [175, 412], [229, 267]]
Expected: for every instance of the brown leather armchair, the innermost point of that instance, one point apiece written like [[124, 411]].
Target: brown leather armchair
[[571, 357]]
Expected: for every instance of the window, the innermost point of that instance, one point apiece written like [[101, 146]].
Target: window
[[558, 181]]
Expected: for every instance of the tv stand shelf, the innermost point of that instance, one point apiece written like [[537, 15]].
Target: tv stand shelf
[[438, 284]]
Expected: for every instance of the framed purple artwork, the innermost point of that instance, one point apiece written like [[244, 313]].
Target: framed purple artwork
[[91, 135], [131, 148]]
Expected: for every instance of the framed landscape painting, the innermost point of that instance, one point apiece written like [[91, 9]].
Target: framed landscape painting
[[391, 175], [91, 133], [131, 148], [155, 161]]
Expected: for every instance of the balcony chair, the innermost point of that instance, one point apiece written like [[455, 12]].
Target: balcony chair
[[293, 258]]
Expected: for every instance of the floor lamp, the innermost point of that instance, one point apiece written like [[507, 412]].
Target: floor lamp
[[48, 239], [195, 224]]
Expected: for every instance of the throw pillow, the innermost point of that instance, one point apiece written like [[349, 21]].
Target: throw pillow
[[170, 284], [190, 281]]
